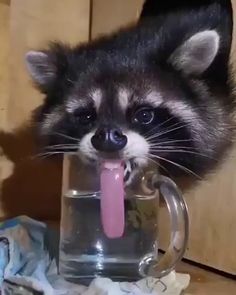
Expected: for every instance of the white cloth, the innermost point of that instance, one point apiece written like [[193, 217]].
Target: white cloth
[[172, 284]]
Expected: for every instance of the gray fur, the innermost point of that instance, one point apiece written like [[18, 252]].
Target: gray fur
[[197, 53]]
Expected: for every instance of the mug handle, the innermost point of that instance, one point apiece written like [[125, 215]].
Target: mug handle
[[178, 211]]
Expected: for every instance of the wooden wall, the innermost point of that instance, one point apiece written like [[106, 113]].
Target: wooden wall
[[5, 164], [30, 185]]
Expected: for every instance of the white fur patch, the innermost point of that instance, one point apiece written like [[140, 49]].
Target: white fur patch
[[74, 103], [123, 97], [181, 110], [51, 119], [96, 96], [137, 148], [154, 98], [86, 150], [187, 115]]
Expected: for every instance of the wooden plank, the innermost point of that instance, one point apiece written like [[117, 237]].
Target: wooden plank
[[211, 205], [33, 24], [5, 164], [34, 187], [4, 60], [212, 213], [110, 15]]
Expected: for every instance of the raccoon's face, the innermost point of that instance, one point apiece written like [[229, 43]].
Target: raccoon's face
[[108, 101]]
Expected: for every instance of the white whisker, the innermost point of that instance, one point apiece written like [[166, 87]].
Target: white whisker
[[171, 147], [62, 146], [66, 136], [180, 151], [45, 155], [155, 162], [177, 165], [177, 127], [164, 129], [48, 154], [171, 141], [158, 126]]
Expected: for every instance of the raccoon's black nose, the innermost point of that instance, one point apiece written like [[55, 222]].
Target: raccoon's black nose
[[107, 139]]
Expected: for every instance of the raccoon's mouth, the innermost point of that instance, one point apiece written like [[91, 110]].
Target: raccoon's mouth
[[130, 170], [134, 155]]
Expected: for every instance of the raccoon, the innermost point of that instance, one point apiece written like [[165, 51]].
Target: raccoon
[[159, 91]]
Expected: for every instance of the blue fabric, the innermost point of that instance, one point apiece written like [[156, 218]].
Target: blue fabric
[[27, 258]]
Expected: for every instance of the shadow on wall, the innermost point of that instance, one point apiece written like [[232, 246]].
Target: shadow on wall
[[34, 186]]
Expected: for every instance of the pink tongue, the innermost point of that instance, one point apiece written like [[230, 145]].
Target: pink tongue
[[112, 198]]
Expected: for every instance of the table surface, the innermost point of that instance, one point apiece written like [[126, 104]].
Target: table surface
[[206, 282]]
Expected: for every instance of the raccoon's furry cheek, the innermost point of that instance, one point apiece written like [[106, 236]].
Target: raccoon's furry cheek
[[86, 151], [137, 148], [49, 120]]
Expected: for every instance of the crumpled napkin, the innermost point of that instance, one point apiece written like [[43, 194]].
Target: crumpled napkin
[[28, 266]]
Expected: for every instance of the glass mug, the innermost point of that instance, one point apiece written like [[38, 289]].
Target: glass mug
[[86, 252]]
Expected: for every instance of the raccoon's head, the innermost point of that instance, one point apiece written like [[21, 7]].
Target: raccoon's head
[[144, 94]]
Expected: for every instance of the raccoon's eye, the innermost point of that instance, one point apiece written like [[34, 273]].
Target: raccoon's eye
[[144, 116], [86, 116]]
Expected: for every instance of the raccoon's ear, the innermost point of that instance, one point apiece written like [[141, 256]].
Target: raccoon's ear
[[197, 53], [41, 68]]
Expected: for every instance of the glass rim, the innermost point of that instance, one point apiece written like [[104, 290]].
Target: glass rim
[[74, 194]]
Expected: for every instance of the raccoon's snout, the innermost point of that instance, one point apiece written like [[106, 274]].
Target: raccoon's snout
[[109, 139]]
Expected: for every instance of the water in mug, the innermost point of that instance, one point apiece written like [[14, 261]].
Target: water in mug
[[85, 252]]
